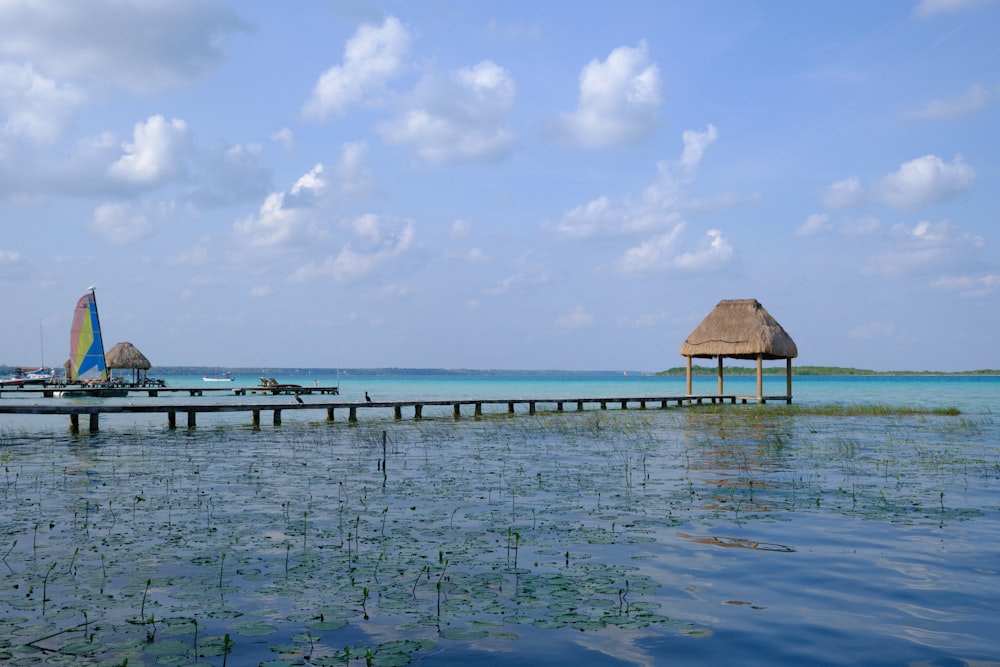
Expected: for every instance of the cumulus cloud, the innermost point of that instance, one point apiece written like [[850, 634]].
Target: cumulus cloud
[[576, 318], [924, 181], [928, 8], [975, 99], [816, 223], [156, 153], [620, 100], [374, 242], [922, 247], [970, 287], [141, 46], [120, 222], [662, 253], [460, 118], [372, 56], [843, 194], [285, 217], [661, 205], [33, 106]]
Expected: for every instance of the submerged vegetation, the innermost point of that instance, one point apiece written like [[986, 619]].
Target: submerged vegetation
[[380, 544]]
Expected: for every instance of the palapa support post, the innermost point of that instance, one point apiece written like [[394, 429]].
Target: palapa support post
[[720, 375], [689, 375], [760, 377], [788, 381]]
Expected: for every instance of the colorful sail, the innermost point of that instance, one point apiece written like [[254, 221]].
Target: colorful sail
[[86, 349]]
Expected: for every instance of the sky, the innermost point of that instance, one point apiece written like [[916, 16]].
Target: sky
[[487, 185]]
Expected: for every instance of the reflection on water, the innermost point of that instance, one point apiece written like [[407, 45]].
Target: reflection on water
[[604, 537]]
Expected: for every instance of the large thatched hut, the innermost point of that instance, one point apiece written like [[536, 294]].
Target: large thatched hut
[[741, 329], [127, 356]]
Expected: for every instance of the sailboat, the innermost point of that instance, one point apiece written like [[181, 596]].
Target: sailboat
[[87, 365], [25, 375]]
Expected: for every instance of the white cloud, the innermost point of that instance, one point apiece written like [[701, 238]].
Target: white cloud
[[120, 222], [460, 119], [975, 99], [460, 228], [352, 174], [816, 223], [285, 137], [372, 56], [923, 247], [527, 272], [142, 46], [661, 253], [33, 106], [843, 194], [928, 8], [620, 100], [871, 330], [374, 242], [925, 181], [260, 291], [576, 318], [285, 218], [156, 153], [968, 286], [662, 203]]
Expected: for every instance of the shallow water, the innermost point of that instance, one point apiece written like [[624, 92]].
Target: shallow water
[[734, 535]]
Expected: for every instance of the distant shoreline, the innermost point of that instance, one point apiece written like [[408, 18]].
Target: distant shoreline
[[457, 372]]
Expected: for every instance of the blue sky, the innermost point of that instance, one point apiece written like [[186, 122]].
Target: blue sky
[[519, 185]]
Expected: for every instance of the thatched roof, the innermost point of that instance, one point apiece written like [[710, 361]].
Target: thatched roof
[[739, 329], [125, 355]]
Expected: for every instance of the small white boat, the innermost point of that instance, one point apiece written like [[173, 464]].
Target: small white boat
[[225, 377]]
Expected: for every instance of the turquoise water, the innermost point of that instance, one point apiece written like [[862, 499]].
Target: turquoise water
[[642, 537]]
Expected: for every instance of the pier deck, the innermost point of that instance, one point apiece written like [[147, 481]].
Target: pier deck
[[191, 410], [50, 390]]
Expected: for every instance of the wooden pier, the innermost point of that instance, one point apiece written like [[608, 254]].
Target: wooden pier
[[191, 410], [152, 391]]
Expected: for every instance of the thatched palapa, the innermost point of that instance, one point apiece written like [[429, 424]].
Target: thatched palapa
[[740, 329], [126, 355]]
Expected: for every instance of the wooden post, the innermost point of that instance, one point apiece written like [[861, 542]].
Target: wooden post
[[418, 411], [277, 417], [720, 375], [788, 380], [531, 407], [457, 409], [352, 416], [760, 376], [397, 412], [479, 409], [604, 405], [74, 424], [510, 407], [329, 414], [688, 375], [579, 406], [191, 418], [256, 420], [624, 405], [171, 420], [94, 417], [559, 406]]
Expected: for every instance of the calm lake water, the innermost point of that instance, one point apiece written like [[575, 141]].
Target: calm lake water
[[728, 535]]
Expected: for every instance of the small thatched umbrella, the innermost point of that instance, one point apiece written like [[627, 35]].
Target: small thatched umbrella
[[126, 355], [741, 329]]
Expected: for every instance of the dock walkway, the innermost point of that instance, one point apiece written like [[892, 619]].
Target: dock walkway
[[191, 410]]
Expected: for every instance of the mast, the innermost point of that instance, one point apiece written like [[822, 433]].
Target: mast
[[107, 371]]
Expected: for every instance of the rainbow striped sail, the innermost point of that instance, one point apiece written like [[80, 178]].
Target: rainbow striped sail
[[86, 349]]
